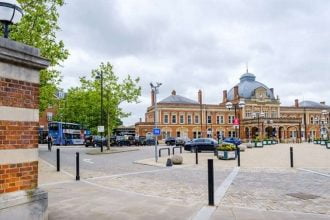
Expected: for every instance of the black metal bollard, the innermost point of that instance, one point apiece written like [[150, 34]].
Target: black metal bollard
[[101, 147], [238, 157], [210, 181], [77, 166], [58, 160], [291, 156], [196, 150]]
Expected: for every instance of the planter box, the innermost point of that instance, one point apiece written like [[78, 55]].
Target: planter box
[[322, 142], [327, 145], [318, 142], [314, 142], [227, 155], [269, 142], [274, 142], [265, 143], [258, 144]]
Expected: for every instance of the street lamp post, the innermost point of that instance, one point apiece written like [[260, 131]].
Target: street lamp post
[[236, 106], [258, 116], [155, 89], [10, 13], [324, 122], [100, 77]]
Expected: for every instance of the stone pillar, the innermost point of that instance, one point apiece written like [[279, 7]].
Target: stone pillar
[[19, 121]]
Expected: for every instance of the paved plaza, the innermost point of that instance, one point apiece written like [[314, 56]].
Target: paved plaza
[[130, 185]]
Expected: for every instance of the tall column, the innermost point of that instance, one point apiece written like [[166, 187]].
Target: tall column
[[19, 122]]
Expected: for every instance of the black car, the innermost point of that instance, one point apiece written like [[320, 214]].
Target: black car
[[95, 141], [170, 141], [150, 141], [140, 140], [202, 144], [181, 141]]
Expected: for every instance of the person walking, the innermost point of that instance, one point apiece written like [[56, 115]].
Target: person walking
[[50, 142]]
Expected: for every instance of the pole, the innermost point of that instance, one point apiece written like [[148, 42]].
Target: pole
[[291, 156], [156, 118], [77, 166], [235, 118], [196, 151], [101, 110], [6, 30], [238, 156], [210, 181], [58, 159]]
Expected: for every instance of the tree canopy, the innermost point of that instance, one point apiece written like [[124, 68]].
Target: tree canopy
[[82, 104], [38, 28]]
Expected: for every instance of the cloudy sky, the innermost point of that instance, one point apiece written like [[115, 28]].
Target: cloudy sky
[[201, 44]]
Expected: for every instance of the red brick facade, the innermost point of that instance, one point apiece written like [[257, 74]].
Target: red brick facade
[[21, 176], [22, 135], [21, 94]]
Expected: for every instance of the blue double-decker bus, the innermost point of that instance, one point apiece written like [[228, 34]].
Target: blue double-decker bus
[[64, 133]]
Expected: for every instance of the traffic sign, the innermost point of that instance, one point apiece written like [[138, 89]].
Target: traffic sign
[[156, 131], [100, 129]]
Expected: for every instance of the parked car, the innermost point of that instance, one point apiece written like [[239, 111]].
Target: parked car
[[140, 140], [122, 141], [181, 141], [95, 141], [170, 141], [202, 144], [150, 141], [232, 140]]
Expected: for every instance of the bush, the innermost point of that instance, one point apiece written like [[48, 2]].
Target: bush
[[226, 147]]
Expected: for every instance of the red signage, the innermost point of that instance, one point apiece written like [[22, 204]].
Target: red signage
[[236, 121]]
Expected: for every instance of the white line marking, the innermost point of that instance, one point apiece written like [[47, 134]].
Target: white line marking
[[55, 183], [88, 161], [51, 165], [126, 174], [207, 211], [311, 171]]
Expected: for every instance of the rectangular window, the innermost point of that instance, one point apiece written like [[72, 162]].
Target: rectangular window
[[230, 119], [173, 119], [181, 119], [49, 116], [178, 134], [218, 119], [189, 119], [222, 121], [209, 119], [274, 114], [196, 119], [195, 134], [266, 115], [165, 119], [248, 114]]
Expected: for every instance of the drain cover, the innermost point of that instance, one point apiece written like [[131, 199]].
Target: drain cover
[[303, 196]]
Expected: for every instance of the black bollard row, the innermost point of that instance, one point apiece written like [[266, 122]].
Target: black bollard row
[[77, 166], [196, 151], [210, 181], [58, 160], [291, 156], [238, 157]]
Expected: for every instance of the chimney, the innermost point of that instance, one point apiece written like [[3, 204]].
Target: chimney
[[236, 92], [296, 103], [224, 96], [152, 97], [173, 92], [200, 97], [272, 90], [322, 103], [140, 120]]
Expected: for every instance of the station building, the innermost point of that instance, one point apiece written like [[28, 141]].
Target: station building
[[261, 117]]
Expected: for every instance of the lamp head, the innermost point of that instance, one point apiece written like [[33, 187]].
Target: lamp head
[[229, 105]]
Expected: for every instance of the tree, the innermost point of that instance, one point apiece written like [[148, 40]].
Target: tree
[[38, 28], [82, 103]]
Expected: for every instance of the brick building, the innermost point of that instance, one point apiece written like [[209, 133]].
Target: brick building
[[262, 116]]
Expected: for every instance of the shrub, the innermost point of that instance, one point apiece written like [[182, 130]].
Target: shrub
[[226, 147]]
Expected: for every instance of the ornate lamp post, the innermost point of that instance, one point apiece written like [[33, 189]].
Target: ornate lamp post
[[10, 13], [258, 116], [100, 77], [236, 106], [155, 89], [324, 133]]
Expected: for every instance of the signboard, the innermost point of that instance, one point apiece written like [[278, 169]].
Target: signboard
[[156, 131], [236, 121], [100, 129]]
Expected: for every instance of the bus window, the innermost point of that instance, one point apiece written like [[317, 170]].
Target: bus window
[[53, 126]]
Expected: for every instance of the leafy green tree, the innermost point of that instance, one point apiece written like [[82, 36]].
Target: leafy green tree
[[82, 104], [38, 28]]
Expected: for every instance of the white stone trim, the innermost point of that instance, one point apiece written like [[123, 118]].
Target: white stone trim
[[14, 156], [19, 114], [19, 73]]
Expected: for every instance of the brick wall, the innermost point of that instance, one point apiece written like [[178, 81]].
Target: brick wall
[[18, 135], [17, 93], [21, 176]]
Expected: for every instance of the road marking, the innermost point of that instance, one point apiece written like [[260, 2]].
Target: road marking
[[88, 161], [51, 165], [311, 171], [207, 211], [56, 183], [127, 174]]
